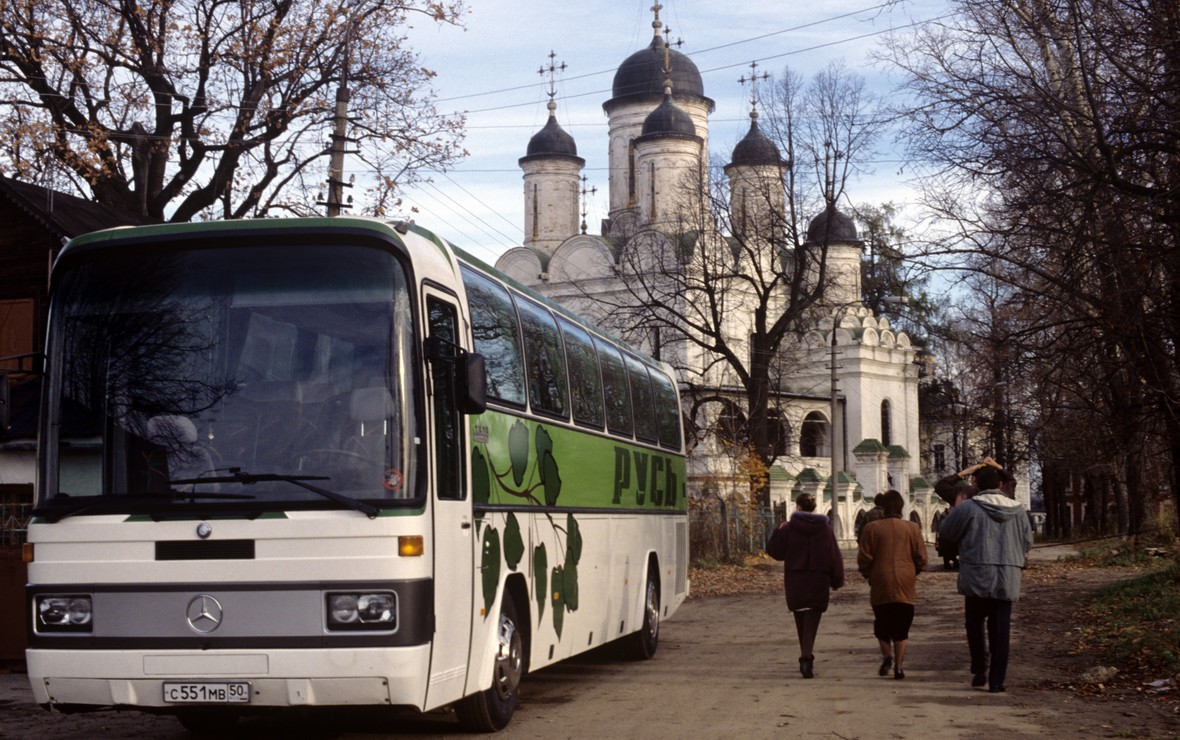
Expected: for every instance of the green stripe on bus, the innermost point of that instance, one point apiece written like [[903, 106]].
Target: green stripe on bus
[[530, 462]]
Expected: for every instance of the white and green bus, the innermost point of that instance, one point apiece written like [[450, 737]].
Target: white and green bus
[[324, 462]]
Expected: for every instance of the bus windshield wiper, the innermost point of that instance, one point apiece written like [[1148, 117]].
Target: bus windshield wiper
[[237, 475], [118, 502]]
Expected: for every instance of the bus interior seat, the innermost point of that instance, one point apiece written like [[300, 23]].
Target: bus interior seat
[[181, 453]]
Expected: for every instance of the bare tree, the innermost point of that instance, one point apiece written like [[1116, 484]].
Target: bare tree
[[180, 109], [1051, 131]]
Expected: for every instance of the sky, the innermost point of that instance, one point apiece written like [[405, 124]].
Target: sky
[[489, 68]]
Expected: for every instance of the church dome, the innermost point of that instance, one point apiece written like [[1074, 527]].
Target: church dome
[[668, 118], [833, 225], [552, 140], [755, 148], [641, 75]]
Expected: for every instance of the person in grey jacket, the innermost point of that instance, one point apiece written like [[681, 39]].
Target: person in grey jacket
[[994, 537]]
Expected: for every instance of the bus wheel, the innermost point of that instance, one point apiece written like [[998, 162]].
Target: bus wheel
[[491, 709], [642, 645], [207, 721]]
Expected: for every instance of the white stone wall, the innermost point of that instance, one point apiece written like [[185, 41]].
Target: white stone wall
[[550, 201], [626, 124], [666, 171]]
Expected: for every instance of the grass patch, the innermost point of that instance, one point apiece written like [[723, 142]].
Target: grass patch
[[1117, 555], [1137, 623]]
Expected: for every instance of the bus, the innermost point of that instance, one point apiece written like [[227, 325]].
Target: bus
[[328, 462]]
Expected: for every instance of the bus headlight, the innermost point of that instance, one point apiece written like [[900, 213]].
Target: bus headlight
[[362, 611], [64, 613]]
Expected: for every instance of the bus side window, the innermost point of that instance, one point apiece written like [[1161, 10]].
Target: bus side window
[[448, 430], [642, 400], [586, 389], [545, 359], [497, 337], [614, 387], [667, 409]]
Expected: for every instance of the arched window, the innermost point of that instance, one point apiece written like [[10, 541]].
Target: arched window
[[886, 431], [730, 428], [814, 435]]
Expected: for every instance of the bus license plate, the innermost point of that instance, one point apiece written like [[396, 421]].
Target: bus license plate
[[203, 692]]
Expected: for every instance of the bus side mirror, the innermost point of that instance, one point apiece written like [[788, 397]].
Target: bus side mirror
[[4, 397], [473, 384]]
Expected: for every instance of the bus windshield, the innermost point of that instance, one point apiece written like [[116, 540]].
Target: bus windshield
[[253, 378]]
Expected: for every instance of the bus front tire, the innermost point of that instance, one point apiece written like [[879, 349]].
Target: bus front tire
[[491, 709], [642, 644]]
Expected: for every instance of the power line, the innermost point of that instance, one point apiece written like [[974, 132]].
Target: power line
[[469, 194], [708, 50]]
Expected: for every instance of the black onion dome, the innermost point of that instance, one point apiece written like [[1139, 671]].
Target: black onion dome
[[832, 225], [641, 75], [756, 149], [552, 140], [668, 118]]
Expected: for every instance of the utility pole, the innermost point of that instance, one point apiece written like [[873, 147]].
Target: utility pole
[[336, 183]]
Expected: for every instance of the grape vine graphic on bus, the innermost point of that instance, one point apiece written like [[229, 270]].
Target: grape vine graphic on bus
[[535, 481]]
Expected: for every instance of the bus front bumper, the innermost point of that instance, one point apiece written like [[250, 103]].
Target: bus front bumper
[[276, 678]]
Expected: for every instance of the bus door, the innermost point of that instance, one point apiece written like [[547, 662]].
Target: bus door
[[453, 531]]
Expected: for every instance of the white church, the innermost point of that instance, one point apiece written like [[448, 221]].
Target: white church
[[860, 420]]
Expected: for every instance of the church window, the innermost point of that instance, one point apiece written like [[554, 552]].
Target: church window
[[939, 458], [814, 435], [536, 211], [731, 425], [651, 183], [631, 172], [886, 424]]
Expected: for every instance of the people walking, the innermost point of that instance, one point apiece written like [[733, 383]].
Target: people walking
[[994, 537], [872, 515], [891, 555], [813, 567], [958, 487]]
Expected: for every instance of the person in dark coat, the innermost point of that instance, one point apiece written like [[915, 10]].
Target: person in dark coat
[[813, 566]]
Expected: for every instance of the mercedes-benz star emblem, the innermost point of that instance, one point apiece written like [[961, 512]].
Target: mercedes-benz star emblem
[[204, 614]]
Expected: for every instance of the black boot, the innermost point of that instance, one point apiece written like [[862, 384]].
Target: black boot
[[806, 666]]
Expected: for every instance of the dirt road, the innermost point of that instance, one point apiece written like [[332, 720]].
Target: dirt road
[[727, 668]]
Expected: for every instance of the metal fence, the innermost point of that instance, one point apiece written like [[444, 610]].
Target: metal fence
[[719, 530], [14, 522]]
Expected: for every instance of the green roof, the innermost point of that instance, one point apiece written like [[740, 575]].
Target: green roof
[[870, 445], [777, 474], [919, 482], [897, 452], [809, 475]]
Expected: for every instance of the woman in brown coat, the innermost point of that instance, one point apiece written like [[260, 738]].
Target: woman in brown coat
[[891, 555]]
